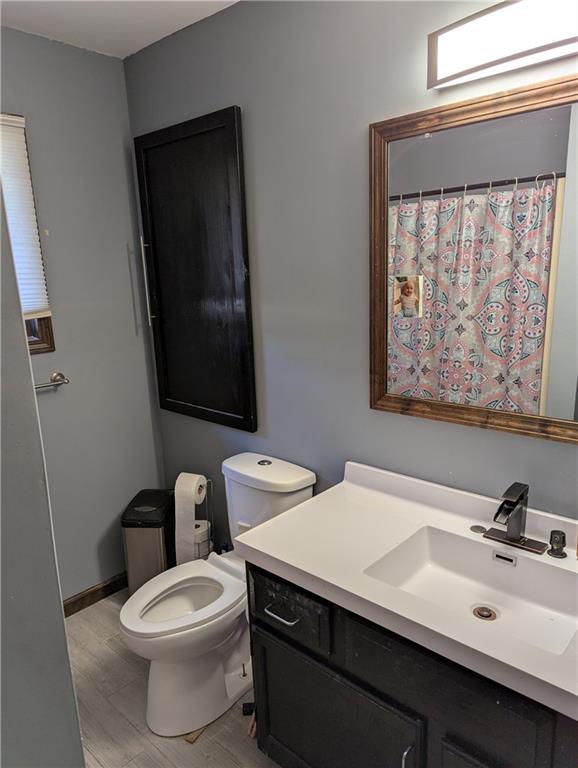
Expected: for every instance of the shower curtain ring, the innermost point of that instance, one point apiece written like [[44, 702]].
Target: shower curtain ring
[[420, 197], [516, 184], [465, 189], [441, 193], [490, 188], [554, 178]]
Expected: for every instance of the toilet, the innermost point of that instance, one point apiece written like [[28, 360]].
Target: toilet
[[191, 621]]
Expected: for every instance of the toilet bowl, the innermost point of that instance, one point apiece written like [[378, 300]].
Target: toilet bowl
[[191, 620]]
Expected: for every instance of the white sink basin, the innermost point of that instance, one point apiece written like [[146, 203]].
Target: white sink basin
[[532, 600]]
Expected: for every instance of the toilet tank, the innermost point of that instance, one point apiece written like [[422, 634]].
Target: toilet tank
[[260, 487]]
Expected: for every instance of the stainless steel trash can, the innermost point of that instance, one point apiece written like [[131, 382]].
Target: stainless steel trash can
[[148, 527]]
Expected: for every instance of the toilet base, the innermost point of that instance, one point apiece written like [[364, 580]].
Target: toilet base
[[184, 696]]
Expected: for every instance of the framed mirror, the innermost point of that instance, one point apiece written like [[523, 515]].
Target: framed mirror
[[474, 262]]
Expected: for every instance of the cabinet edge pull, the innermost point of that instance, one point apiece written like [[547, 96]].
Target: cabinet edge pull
[[404, 756], [144, 245], [270, 613]]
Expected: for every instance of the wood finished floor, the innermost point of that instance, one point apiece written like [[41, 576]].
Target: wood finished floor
[[110, 684]]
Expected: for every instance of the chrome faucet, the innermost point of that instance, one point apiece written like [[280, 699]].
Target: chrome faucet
[[512, 511], [512, 514]]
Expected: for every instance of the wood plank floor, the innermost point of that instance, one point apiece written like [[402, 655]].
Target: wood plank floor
[[110, 684]]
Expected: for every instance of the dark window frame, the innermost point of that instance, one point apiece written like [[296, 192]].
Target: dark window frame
[[40, 336]]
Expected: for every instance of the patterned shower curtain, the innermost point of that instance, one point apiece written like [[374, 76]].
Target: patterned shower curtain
[[484, 260]]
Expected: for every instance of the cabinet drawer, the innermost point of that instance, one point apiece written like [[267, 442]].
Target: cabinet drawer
[[502, 727], [291, 611]]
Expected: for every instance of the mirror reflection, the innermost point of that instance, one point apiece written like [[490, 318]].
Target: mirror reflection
[[482, 269]]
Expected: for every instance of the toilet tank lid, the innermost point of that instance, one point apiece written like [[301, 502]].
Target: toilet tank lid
[[267, 473]]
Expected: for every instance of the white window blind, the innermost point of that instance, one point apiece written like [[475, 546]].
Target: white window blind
[[21, 218]]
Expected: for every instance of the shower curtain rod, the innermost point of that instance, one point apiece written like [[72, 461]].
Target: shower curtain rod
[[483, 185]]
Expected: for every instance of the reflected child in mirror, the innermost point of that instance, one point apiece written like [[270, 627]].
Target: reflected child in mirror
[[407, 301]]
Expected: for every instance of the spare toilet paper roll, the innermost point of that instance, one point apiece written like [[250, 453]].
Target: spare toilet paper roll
[[203, 550], [203, 544], [190, 490], [202, 531]]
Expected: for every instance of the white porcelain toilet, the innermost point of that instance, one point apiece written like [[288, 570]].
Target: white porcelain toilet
[[191, 621]]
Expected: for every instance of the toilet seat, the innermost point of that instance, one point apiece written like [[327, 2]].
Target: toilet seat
[[182, 598]]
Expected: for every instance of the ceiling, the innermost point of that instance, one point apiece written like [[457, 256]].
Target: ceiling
[[113, 27]]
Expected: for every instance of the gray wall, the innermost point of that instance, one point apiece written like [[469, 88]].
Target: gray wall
[[310, 77], [39, 718], [98, 430], [562, 390], [521, 146]]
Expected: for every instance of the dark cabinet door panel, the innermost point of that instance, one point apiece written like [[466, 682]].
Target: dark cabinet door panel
[[311, 717], [566, 743], [193, 212], [512, 730]]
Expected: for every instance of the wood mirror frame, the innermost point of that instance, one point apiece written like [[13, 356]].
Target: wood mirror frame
[[543, 95]]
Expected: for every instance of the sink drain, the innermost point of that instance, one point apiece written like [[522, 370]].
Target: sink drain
[[485, 613]]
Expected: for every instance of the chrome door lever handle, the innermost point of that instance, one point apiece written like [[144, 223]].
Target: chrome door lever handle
[[57, 379], [270, 613]]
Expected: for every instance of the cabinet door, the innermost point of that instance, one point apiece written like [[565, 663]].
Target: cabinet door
[[455, 757], [193, 212], [510, 730], [311, 717]]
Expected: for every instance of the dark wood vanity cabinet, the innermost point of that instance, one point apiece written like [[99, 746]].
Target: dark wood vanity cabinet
[[335, 691]]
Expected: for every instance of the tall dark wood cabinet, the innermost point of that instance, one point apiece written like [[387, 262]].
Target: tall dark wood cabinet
[[335, 691], [197, 269]]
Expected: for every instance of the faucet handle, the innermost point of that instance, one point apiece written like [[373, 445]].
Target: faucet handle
[[557, 544], [516, 492]]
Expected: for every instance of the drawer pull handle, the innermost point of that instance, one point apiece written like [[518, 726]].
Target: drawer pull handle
[[404, 756], [270, 613]]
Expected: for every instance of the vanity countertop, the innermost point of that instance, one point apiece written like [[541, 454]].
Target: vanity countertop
[[330, 544]]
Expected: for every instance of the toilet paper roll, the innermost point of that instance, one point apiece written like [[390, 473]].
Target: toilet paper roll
[[202, 531], [190, 490], [203, 549]]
